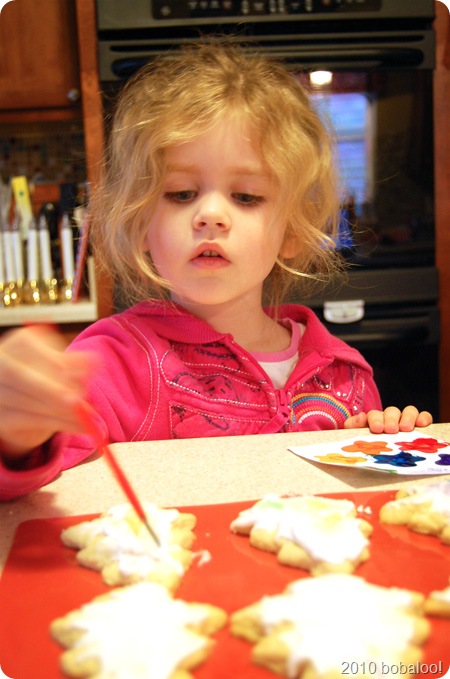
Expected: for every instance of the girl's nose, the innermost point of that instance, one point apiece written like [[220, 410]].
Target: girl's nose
[[212, 213]]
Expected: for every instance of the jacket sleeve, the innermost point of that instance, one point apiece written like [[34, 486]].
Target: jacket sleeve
[[39, 467], [107, 394], [43, 464]]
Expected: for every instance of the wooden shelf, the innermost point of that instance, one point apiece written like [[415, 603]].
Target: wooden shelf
[[84, 311], [41, 116]]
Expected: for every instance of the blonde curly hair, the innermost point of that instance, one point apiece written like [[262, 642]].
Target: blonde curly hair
[[179, 97]]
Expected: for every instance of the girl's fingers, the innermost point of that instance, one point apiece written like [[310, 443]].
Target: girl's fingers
[[39, 385], [392, 420]]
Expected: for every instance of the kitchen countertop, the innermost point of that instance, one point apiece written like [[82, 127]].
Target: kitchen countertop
[[187, 472]]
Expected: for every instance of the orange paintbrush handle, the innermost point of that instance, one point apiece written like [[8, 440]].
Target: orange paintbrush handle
[[91, 428]]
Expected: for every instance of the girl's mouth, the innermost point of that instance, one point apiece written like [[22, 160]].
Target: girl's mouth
[[210, 253], [209, 259]]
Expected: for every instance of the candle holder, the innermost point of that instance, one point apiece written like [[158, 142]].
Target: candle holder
[[12, 294], [31, 292], [49, 291], [66, 291]]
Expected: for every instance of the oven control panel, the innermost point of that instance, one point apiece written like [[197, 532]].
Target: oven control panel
[[194, 9], [144, 15]]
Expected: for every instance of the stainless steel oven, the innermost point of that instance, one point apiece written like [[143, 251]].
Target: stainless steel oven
[[369, 66]]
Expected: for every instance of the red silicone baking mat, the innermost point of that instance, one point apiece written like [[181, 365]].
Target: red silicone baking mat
[[42, 581]]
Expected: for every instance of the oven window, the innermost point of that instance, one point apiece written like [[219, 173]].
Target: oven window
[[382, 122], [350, 116]]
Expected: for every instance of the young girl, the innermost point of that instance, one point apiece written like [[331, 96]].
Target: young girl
[[218, 190]]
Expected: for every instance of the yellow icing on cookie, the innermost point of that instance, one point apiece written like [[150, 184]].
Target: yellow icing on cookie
[[334, 458]]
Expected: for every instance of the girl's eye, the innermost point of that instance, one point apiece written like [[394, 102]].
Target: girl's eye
[[179, 196], [248, 199]]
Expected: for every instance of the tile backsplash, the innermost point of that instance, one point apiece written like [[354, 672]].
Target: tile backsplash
[[47, 152]]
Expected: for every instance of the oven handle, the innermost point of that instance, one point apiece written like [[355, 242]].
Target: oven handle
[[422, 329], [357, 57]]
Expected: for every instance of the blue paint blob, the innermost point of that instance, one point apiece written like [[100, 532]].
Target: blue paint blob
[[402, 459]]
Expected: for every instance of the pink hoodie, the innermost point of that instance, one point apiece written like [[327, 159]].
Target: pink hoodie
[[163, 373]]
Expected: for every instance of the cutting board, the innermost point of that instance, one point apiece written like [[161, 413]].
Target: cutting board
[[42, 581]]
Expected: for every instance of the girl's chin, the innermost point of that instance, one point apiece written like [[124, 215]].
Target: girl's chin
[[193, 303], [214, 295]]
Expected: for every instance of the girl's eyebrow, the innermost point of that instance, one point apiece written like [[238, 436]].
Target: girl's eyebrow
[[188, 169], [252, 171], [245, 171]]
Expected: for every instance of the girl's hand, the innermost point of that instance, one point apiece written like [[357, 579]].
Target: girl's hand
[[39, 385], [390, 420]]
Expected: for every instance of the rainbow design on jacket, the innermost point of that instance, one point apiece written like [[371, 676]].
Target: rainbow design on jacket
[[309, 404]]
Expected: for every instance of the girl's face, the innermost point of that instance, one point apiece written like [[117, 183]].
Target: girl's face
[[214, 235]]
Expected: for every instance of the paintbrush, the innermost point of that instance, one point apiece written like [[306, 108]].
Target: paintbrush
[[91, 428]]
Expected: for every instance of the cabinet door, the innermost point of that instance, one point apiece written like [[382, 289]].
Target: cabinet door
[[38, 55]]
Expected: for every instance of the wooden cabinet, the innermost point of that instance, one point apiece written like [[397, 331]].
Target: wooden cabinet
[[93, 121], [39, 66], [442, 200]]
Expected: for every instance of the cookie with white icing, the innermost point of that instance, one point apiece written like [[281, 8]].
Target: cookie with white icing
[[322, 535], [319, 624], [119, 546], [138, 631], [422, 507]]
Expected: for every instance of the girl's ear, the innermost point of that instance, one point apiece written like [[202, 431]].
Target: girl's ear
[[290, 247], [145, 243]]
